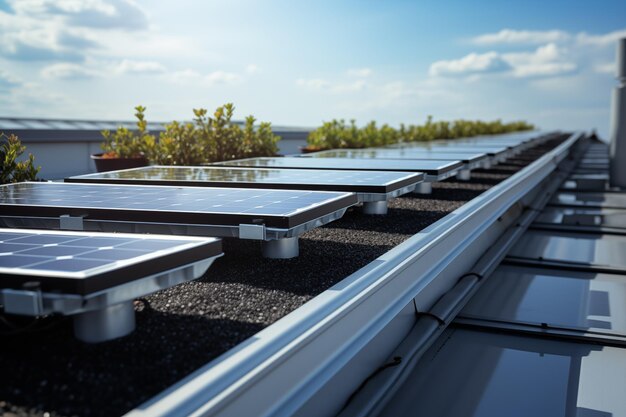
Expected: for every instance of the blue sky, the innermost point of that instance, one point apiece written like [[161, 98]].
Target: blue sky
[[299, 63]]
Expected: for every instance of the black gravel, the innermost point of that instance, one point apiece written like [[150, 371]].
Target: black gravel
[[44, 371]]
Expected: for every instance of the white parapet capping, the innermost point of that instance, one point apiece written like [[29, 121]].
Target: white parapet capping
[[618, 121]]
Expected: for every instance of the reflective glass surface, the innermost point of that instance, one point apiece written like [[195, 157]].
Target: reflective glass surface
[[574, 216], [40, 197], [587, 301], [79, 254], [474, 374], [577, 249], [398, 153], [270, 177], [591, 199], [427, 166]]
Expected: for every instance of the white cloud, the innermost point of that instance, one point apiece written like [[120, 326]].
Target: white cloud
[[68, 71], [359, 72], [222, 77], [139, 67], [7, 81], [511, 36], [547, 60], [313, 83], [470, 64], [120, 14], [252, 68], [607, 39], [605, 68], [193, 77]]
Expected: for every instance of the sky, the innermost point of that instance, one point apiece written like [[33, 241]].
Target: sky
[[296, 63]]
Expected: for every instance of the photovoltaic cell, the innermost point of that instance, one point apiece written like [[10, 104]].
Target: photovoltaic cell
[[352, 181], [81, 263], [429, 167], [173, 205]]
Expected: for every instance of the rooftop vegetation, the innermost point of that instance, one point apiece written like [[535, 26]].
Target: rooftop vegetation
[[339, 134], [208, 138]]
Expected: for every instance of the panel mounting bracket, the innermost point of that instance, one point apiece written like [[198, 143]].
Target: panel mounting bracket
[[252, 231], [68, 222], [22, 302]]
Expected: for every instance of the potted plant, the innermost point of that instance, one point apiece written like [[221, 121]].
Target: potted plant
[[125, 148]]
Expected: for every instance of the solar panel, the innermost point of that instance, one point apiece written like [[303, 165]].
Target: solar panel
[[582, 217], [83, 263], [472, 158], [498, 152], [371, 182], [434, 170], [94, 276], [499, 374], [586, 182], [579, 251], [588, 301], [590, 199], [276, 208]]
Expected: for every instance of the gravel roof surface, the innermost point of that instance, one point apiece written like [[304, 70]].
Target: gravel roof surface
[[44, 371]]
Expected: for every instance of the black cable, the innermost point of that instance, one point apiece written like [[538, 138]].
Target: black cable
[[397, 360]]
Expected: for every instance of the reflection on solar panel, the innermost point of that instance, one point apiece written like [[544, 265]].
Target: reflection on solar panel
[[94, 275], [582, 251], [370, 186], [592, 218], [434, 170], [590, 199], [473, 159], [494, 374], [587, 300], [499, 153], [355, 181], [244, 213], [10, 124]]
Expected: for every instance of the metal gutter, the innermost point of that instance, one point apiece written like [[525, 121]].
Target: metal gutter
[[324, 349]]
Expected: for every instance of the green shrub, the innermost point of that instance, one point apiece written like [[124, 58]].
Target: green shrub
[[206, 139], [126, 143], [336, 134], [10, 170]]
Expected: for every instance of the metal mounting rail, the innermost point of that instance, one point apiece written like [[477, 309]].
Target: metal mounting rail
[[311, 361]]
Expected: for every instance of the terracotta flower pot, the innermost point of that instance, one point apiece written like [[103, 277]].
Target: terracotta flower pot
[[104, 164]]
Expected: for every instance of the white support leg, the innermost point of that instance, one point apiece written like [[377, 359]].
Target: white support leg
[[424, 188], [105, 324], [375, 207], [284, 248]]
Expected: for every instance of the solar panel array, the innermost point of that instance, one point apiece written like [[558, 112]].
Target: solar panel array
[[352, 181], [79, 262]]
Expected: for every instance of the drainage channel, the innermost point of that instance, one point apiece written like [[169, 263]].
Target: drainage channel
[[313, 360]]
